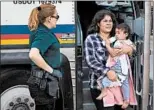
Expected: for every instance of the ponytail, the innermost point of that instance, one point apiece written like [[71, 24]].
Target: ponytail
[[33, 19], [39, 14]]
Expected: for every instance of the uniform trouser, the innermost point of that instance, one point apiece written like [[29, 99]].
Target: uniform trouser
[[44, 107], [98, 103], [43, 100], [43, 90]]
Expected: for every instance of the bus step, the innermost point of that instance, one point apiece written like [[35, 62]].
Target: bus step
[[89, 106], [85, 73], [85, 84], [87, 96]]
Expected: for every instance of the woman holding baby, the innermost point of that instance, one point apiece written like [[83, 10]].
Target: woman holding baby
[[97, 49]]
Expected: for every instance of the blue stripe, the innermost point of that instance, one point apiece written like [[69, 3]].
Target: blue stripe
[[23, 29]]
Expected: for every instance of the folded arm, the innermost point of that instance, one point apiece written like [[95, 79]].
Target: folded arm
[[124, 49]]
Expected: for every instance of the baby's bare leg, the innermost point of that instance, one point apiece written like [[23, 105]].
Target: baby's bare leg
[[125, 91], [125, 104], [103, 94]]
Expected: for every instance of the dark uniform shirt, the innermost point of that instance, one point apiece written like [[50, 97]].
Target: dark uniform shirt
[[48, 45]]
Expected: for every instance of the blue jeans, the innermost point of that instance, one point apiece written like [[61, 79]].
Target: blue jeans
[[125, 86]]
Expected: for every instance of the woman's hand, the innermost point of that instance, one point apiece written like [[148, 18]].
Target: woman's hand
[[113, 51], [57, 73], [112, 75], [125, 49]]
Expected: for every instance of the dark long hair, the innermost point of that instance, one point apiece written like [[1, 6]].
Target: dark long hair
[[94, 28]]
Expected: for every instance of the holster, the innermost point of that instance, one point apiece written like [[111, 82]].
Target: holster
[[45, 81], [53, 86]]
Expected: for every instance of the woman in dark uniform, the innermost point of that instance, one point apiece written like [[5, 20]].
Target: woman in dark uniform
[[44, 53]]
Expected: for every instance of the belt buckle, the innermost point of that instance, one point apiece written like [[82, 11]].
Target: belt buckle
[[38, 73]]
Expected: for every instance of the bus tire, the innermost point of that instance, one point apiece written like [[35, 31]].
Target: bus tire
[[13, 84], [12, 77]]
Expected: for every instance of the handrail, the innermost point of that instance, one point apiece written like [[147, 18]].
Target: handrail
[[79, 42], [79, 29], [138, 74]]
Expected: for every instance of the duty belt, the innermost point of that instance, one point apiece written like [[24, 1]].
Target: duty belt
[[38, 73]]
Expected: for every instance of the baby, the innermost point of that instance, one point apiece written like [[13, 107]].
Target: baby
[[119, 64]]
